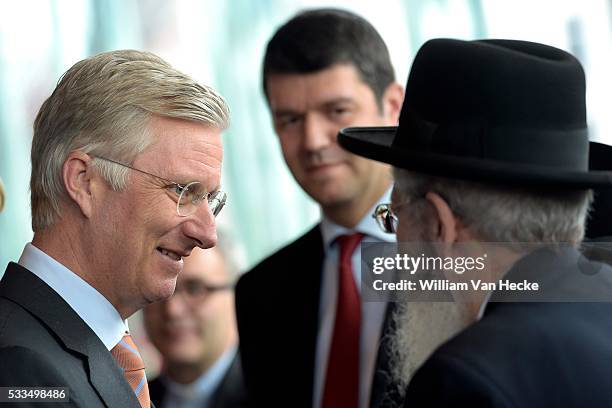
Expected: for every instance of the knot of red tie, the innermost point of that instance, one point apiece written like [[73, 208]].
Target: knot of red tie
[[348, 244]]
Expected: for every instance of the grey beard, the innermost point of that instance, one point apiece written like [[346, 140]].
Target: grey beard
[[421, 328]]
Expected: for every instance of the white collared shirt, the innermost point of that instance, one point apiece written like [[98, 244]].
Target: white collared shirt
[[91, 306], [199, 393], [372, 313]]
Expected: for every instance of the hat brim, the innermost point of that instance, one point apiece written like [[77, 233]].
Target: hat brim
[[376, 143]]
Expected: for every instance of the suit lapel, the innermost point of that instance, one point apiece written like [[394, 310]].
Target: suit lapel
[[26, 289], [157, 390], [277, 306], [107, 378], [306, 327], [230, 392], [295, 307]]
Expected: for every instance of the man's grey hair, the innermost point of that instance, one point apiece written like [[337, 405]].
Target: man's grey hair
[[503, 213], [495, 214], [101, 106]]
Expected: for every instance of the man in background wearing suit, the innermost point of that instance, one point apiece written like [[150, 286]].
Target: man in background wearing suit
[[306, 337], [498, 152], [126, 159], [195, 332]]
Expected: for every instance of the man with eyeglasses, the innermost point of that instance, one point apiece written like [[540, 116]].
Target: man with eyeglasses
[[126, 159], [195, 333], [491, 159], [308, 339]]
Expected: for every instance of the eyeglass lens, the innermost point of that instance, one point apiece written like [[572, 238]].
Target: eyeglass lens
[[385, 218], [196, 291], [194, 193]]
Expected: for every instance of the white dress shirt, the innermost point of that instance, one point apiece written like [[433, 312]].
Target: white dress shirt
[[199, 393], [95, 310], [372, 313]]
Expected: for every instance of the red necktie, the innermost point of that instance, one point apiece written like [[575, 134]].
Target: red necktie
[[342, 379], [127, 356]]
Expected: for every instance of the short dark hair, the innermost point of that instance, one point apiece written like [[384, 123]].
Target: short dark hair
[[316, 39]]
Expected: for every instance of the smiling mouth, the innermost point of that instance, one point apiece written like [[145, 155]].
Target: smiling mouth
[[322, 167], [172, 255]]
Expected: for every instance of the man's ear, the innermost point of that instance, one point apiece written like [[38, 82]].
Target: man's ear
[[447, 222], [77, 176], [392, 103]]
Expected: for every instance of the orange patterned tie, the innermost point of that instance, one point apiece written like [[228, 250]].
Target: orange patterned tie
[[127, 356]]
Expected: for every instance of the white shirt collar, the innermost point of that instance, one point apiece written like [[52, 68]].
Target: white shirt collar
[[95, 310], [205, 386], [367, 226]]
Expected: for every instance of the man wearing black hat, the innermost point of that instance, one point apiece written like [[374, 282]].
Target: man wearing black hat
[[492, 146]]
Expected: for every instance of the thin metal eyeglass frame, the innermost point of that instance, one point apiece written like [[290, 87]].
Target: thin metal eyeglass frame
[[202, 297], [195, 200], [385, 215]]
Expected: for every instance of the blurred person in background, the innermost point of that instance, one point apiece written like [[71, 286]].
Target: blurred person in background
[[505, 160], [307, 338], [126, 167], [195, 333]]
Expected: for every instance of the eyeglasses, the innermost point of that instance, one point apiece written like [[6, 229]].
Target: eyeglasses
[[196, 291], [189, 196], [386, 218]]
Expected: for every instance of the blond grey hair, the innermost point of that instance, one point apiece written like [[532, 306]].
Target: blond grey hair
[[503, 213], [101, 106]]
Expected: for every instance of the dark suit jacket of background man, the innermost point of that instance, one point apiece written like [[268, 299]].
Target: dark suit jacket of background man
[[528, 354], [277, 306], [43, 342], [229, 394]]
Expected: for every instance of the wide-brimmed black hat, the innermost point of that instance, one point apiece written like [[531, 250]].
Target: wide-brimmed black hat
[[489, 110]]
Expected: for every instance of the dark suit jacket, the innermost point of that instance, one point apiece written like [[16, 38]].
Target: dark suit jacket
[[43, 342], [277, 307], [230, 393], [528, 354]]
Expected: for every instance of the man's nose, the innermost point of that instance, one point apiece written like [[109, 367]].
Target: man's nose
[[317, 133], [201, 227]]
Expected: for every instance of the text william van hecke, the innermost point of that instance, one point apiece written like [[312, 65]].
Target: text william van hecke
[[445, 284]]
